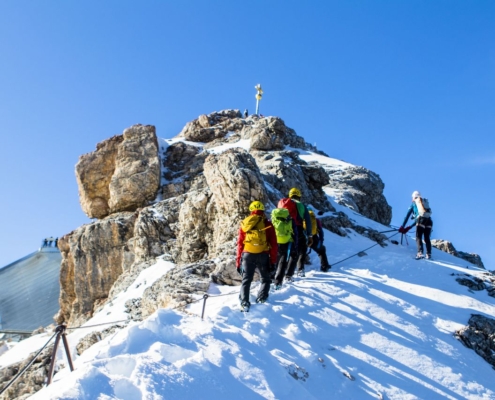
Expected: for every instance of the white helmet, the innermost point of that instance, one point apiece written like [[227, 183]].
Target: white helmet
[[416, 194]]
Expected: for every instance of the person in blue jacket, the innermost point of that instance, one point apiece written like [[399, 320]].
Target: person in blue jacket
[[423, 226]]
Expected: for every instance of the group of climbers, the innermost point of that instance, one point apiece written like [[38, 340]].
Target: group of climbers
[[277, 247]]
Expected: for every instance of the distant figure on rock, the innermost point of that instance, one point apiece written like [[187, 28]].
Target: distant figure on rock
[[286, 232], [56, 242], [256, 248], [421, 213], [299, 212], [246, 113], [45, 243], [317, 244]]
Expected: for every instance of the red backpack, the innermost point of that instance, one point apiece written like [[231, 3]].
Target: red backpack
[[292, 207]]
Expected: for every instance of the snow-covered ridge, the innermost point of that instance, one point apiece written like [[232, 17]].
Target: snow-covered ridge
[[379, 325]]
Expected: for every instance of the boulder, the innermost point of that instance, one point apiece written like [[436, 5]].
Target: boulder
[[136, 178], [265, 134], [207, 128], [94, 172], [361, 190], [479, 335], [448, 247], [122, 174]]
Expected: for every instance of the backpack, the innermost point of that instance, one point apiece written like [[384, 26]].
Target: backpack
[[296, 209], [423, 207], [282, 222], [290, 205], [254, 227], [314, 226]]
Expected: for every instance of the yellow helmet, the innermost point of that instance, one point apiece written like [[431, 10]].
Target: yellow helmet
[[311, 212], [295, 192], [256, 205]]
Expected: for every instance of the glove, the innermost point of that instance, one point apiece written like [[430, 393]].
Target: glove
[[310, 241], [407, 229], [402, 230], [240, 270]]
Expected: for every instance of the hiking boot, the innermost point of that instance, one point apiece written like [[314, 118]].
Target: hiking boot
[[325, 268], [419, 256], [301, 273], [428, 257], [245, 306], [278, 287], [289, 279], [262, 300]]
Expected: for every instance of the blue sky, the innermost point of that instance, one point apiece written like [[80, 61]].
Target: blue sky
[[406, 89]]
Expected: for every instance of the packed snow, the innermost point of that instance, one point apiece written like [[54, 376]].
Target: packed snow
[[376, 326]]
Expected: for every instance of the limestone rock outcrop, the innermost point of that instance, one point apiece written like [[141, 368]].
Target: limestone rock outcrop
[[479, 335], [448, 247], [182, 201], [93, 257], [121, 175]]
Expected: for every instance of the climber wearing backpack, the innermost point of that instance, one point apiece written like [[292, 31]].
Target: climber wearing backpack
[[421, 213], [318, 239], [256, 248], [299, 212], [286, 232]]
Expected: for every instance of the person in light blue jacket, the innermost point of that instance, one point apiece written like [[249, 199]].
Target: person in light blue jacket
[[424, 224]]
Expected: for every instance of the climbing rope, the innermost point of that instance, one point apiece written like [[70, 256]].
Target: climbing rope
[[376, 244]]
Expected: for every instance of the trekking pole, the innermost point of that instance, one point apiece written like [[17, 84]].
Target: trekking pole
[[391, 230], [60, 330]]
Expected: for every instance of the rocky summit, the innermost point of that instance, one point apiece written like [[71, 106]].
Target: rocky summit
[[155, 200], [181, 199]]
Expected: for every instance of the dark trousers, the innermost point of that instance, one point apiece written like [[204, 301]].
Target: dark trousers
[[321, 250], [423, 229], [284, 251], [297, 258], [249, 263]]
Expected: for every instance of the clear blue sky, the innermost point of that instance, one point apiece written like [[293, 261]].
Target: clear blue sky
[[404, 88]]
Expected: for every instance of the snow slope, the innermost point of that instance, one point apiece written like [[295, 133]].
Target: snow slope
[[376, 326]]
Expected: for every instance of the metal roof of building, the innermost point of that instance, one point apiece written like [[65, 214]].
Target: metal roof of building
[[29, 290]]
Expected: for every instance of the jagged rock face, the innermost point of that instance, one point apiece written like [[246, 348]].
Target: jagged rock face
[[266, 134], [121, 175], [362, 191], [182, 166], [204, 196], [93, 257], [479, 335], [206, 216], [156, 229], [31, 381], [210, 127], [448, 247], [284, 170]]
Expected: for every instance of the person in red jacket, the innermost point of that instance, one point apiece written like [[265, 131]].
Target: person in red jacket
[[256, 248]]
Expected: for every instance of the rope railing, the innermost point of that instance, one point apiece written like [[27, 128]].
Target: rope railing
[[20, 373], [60, 330]]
